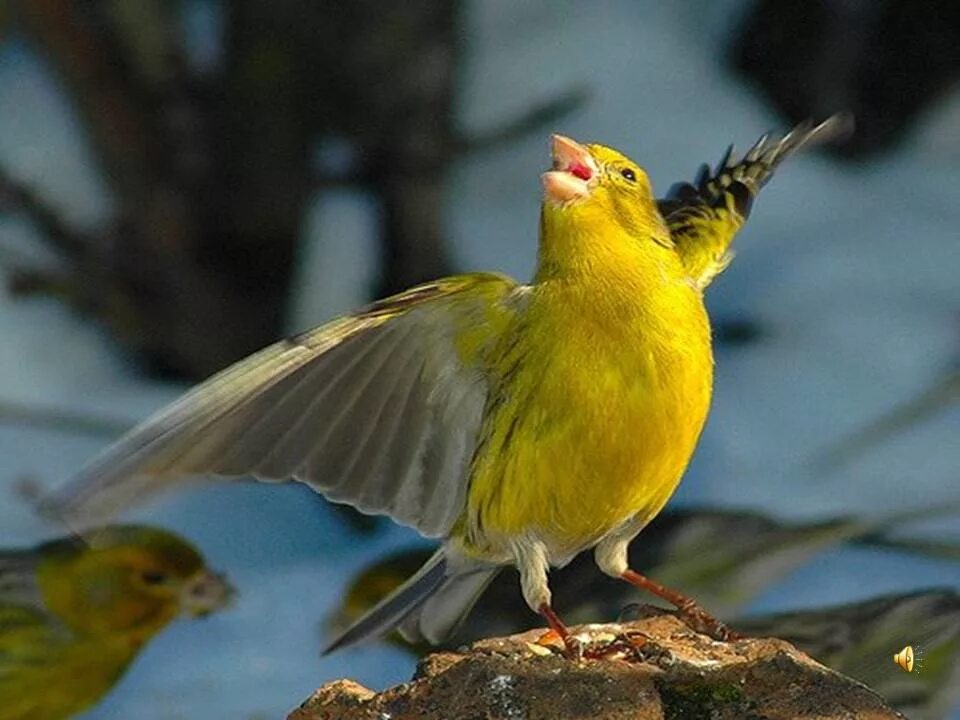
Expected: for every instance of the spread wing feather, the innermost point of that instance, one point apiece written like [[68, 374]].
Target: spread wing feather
[[704, 216], [380, 409]]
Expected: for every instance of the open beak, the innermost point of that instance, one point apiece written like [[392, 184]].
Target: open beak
[[204, 593], [573, 170]]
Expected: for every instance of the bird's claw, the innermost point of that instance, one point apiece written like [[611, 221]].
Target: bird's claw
[[573, 649], [703, 622], [624, 645]]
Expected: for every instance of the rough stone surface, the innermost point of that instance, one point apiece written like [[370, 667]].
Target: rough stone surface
[[655, 668]]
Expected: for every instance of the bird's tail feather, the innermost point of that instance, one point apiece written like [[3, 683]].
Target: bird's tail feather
[[428, 606], [392, 610], [445, 608]]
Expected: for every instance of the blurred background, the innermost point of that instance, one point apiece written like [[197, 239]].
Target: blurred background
[[182, 182]]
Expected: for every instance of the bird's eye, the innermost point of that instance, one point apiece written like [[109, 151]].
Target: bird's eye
[[629, 174], [153, 577]]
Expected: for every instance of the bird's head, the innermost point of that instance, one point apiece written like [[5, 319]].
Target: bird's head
[[128, 579], [593, 190]]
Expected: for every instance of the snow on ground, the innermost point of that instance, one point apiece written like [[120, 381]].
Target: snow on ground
[[850, 271]]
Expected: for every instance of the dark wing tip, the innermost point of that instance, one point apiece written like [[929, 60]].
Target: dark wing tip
[[739, 181], [734, 183], [836, 128]]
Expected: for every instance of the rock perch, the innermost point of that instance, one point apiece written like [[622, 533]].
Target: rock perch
[[655, 669]]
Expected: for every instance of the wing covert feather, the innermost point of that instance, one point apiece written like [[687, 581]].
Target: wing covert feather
[[380, 410]]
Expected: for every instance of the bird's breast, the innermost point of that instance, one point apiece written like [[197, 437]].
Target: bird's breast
[[595, 421]]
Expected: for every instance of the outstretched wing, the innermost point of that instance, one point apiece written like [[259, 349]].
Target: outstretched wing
[[703, 217], [379, 409]]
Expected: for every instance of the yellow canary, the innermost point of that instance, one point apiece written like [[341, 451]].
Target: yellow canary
[[522, 424], [74, 615]]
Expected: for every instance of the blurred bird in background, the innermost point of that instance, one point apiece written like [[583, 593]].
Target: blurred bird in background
[[522, 424], [75, 614]]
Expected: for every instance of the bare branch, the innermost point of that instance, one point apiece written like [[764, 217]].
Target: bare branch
[[17, 196], [534, 119]]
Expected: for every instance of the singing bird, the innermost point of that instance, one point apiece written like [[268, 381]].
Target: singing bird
[[521, 424], [74, 615]]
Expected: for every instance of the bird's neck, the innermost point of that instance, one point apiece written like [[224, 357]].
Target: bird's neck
[[628, 285], [608, 263]]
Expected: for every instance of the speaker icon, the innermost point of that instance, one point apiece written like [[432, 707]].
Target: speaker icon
[[904, 658]]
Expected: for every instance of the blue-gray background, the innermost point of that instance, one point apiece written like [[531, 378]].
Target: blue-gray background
[[853, 269]]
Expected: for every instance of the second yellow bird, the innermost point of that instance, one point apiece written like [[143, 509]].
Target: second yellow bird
[[75, 615], [522, 424]]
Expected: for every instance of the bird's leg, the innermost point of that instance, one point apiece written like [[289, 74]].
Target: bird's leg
[[611, 556], [531, 560], [573, 647], [691, 612]]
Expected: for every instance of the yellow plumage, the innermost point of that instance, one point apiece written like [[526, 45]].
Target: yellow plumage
[[74, 616], [608, 377], [520, 424]]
